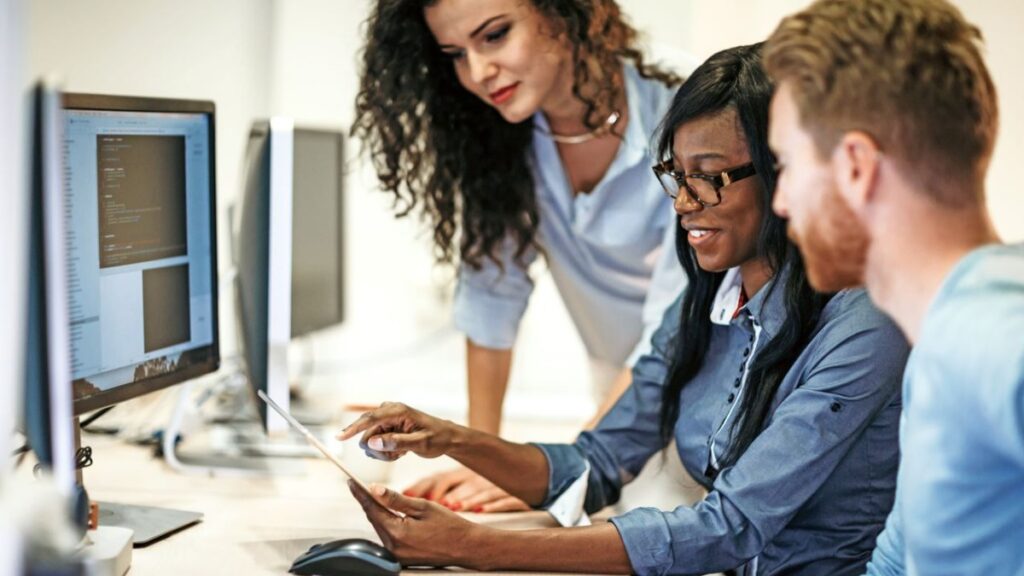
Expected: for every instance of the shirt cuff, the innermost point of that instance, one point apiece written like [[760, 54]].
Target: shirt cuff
[[646, 537], [487, 320], [566, 465], [568, 509]]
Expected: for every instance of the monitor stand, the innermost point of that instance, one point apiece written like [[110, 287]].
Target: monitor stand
[[147, 523], [120, 523], [217, 464]]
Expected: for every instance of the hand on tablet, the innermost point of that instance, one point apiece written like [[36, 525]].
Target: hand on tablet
[[421, 533], [393, 429]]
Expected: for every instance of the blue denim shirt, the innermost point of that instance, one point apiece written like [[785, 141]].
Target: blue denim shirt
[[611, 252], [810, 494], [960, 503]]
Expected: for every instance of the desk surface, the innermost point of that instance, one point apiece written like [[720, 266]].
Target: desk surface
[[254, 525]]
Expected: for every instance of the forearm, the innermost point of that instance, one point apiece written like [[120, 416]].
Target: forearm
[[593, 549], [519, 469], [487, 373]]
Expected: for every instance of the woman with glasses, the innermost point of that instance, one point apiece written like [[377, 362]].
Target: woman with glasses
[[783, 402], [520, 128]]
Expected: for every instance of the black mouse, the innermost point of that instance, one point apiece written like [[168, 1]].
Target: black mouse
[[352, 556]]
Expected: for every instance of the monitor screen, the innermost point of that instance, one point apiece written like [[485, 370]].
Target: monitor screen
[[141, 244], [317, 255]]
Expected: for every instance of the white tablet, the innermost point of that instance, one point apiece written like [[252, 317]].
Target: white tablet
[[311, 439]]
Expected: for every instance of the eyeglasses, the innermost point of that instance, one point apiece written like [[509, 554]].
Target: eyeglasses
[[703, 188]]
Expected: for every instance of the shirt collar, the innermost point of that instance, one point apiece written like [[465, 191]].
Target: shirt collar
[[727, 298], [767, 308]]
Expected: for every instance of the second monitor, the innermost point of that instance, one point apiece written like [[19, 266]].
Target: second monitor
[[290, 249]]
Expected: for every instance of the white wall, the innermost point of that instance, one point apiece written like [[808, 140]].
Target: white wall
[[193, 49], [1002, 24]]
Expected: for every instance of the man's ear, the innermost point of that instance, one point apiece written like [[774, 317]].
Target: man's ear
[[855, 165]]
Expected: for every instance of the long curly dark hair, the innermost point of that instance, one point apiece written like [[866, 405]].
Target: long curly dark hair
[[734, 78], [438, 147]]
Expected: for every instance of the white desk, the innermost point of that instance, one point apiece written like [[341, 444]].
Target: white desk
[[251, 525]]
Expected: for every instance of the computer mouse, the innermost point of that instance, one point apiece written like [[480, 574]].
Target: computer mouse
[[351, 556]]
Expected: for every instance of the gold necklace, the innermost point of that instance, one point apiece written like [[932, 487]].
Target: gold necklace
[[609, 123]]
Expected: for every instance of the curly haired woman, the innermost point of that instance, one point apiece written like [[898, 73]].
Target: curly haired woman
[[518, 128]]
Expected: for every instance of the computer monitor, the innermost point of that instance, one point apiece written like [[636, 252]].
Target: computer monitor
[[141, 255], [318, 296], [141, 244], [47, 418], [264, 264], [290, 228]]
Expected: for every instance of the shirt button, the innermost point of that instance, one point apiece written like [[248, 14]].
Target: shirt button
[[736, 384], [836, 407], [746, 352], [733, 397]]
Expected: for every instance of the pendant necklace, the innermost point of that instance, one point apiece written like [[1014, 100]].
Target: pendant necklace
[[601, 130]]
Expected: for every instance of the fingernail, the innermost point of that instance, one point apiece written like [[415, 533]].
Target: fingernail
[[376, 443], [407, 493], [456, 506], [378, 489], [444, 502], [478, 509]]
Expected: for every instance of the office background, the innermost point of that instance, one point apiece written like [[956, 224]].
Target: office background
[[298, 58]]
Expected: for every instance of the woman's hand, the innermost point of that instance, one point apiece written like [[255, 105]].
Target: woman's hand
[[463, 490], [427, 535], [393, 429]]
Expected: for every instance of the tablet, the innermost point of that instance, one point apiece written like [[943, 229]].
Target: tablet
[[311, 439]]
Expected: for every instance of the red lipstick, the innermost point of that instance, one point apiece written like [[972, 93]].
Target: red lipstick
[[502, 95]]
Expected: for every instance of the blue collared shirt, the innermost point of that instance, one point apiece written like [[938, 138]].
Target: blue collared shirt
[[808, 496], [960, 503], [611, 251]]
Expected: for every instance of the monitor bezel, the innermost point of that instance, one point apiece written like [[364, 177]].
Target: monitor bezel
[[110, 103]]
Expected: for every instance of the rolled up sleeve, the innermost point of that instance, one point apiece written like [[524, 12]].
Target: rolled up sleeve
[[565, 465], [490, 302], [852, 375]]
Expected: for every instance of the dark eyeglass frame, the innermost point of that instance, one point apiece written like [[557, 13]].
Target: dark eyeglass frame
[[717, 181]]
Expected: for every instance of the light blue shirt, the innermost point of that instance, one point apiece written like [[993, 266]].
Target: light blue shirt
[[960, 500], [611, 252], [810, 494]]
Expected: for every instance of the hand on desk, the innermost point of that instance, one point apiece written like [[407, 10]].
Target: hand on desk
[[428, 534], [462, 489]]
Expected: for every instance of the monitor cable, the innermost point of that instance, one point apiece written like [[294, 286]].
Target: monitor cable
[[95, 416]]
